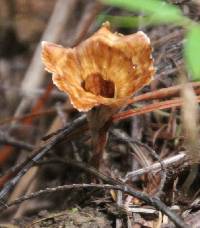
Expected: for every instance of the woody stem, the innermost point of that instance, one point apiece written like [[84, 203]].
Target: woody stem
[[99, 120], [99, 140]]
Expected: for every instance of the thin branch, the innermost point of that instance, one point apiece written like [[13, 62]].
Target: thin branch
[[130, 141], [77, 126], [8, 140], [150, 108], [34, 115], [83, 166], [163, 93], [123, 188], [156, 167]]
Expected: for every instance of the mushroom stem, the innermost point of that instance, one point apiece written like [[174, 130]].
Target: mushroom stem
[[99, 140], [99, 119]]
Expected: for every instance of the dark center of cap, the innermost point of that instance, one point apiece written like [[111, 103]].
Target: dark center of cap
[[95, 84]]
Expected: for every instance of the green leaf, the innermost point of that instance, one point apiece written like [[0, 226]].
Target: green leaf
[[161, 11], [74, 210], [120, 21], [127, 21], [192, 51]]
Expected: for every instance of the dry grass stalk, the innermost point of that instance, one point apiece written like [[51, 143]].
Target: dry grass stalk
[[191, 122]]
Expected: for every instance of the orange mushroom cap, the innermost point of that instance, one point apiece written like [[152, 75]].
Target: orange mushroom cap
[[106, 69]]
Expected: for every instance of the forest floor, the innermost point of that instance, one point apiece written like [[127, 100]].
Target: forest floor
[[146, 163]]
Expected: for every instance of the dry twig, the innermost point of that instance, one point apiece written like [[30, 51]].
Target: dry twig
[[121, 187], [8, 140], [76, 126]]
